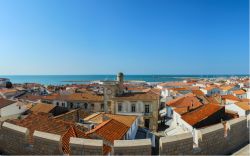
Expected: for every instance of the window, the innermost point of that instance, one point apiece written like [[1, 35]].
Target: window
[[146, 108], [133, 108], [102, 106], [119, 107], [146, 123], [57, 103], [85, 106], [19, 107], [92, 106], [71, 105], [63, 104]]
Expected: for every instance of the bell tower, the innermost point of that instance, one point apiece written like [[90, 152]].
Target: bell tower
[[120, 81]]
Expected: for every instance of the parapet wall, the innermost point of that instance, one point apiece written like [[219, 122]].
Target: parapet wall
[[81, 146], [132, 147], [15, 140], [213, 140]]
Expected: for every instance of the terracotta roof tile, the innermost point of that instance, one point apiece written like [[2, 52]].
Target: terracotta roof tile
[[239, 92], [127, 120], [185, 101], [106, 149], [86, 96], [230, 97], [200, 113], [243, 105], [43, 122], [101, 116], [197, 92], [71, 132], [42, 107], [110, 130]]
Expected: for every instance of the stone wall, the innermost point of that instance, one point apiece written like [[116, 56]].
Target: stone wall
[[216, 139], [16, 140], [132, 147], [13, 139], [178, 144], [79, 146], [46, 143]]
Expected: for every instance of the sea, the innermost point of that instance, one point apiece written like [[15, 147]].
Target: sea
[[83, 79]]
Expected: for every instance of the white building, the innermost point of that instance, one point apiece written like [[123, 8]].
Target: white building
[[248, 93], [241, 94], [9, 107], [210, 90], [242, 108]]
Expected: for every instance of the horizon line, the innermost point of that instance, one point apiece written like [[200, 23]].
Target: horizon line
[[112, 74]]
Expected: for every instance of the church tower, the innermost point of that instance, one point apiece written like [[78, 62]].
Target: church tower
[[120, 81]]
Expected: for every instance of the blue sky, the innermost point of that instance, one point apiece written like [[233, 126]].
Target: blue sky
[[133, 36]]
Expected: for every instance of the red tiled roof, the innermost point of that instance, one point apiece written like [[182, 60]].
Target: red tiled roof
[[181, 110], [209, 88], [110, 130], [245, 100], [214, 99], [86, 96], [30, 97], [42, 107], [200, 113], [71, 132], [106, 149], [185, 101], [44, 123], [127, 120], [239, 92], [243, 105], [230, 97], [197, 92]]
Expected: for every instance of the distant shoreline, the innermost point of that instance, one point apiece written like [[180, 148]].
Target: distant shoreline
[[83, 79]]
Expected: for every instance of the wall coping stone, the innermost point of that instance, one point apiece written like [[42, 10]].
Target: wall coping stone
[[86, 142], [237, 120], [132, 143], [48, 136], [211, 128], [176, 137], [15, 127]]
